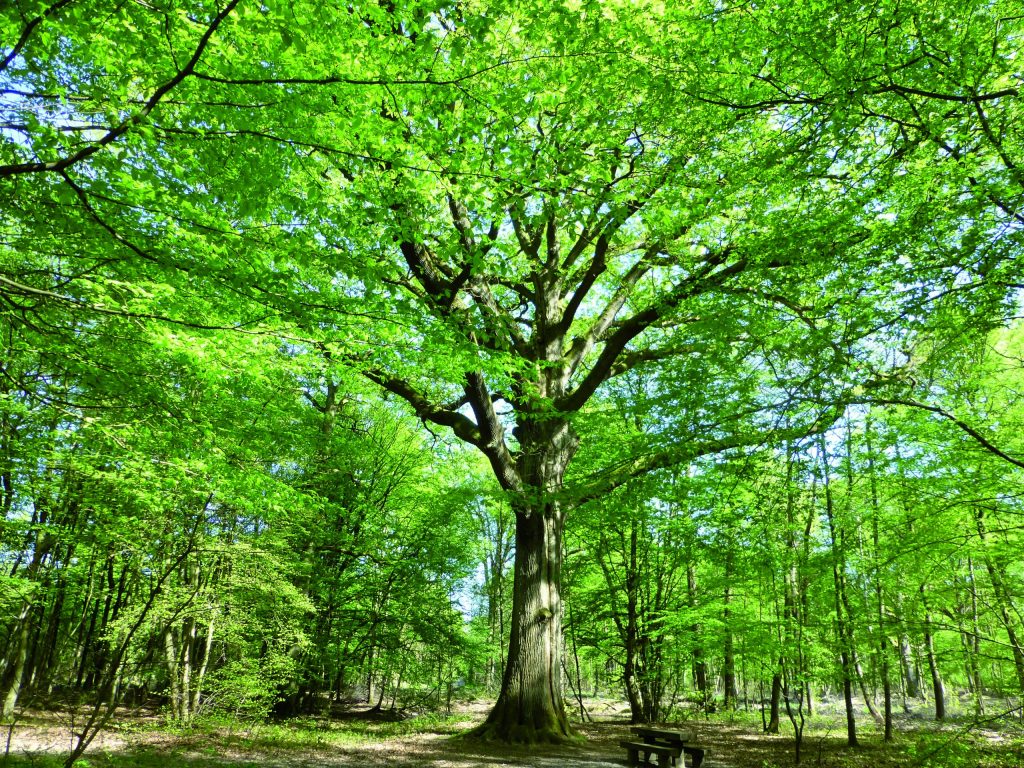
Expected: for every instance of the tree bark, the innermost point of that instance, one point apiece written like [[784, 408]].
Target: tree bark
[[631, 635], [912, 682], [938, 688], [700, 669], [10, 684], [530, 708], [728, 644], [974, 646], [883, 643], [842, 628], [776, 697]]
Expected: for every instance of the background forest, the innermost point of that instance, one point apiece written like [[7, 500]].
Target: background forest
[[364, 354]]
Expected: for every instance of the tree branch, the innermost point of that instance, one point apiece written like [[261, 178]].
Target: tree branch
[[960, 423], [460, 425], [618, 475], [26, 33], [115, 133], [706, 279]]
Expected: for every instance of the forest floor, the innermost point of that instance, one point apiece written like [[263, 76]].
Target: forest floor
[[735, 740]]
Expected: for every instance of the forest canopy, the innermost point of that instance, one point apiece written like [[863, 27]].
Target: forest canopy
[[376, 350]]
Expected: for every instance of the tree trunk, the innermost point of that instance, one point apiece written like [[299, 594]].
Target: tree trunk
[[974, 646], [728, 644], [530, 708], [844, 593], [773, 714], [700, 669], [171, 654], [202, 663], [883, 643], [938, 688], [10, 684], [1004, 602], [911, 680], [842, 629], [631, 639]]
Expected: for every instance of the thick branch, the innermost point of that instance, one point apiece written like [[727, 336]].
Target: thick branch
[[498, 320], [582, 345], [529, 242], [424, 269], [633, 326], [492, 433], [627, 361], [461, 426], [614, 219], [598, 265]]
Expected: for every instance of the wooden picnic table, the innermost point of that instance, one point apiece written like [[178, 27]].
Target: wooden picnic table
[[669, 745]]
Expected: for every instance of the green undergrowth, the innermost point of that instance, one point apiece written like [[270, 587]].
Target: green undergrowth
[[734, 738], [227, 743], [305, 732], [958, 749], [309, 733]]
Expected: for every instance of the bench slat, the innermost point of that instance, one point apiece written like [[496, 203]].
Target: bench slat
[[654, 749]]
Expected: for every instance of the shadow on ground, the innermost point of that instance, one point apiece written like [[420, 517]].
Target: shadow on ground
[[347, 745]]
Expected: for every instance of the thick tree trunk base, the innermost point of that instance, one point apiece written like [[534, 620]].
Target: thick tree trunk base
[[505, 726], [530, 708]]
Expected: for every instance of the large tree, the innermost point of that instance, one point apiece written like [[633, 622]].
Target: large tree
[[628, 195], [495, 213]]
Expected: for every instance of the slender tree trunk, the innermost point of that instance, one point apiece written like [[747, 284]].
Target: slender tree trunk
[[938, 689], [700, 670], [16, 660], [173, 674], [202, 663], [845, 646], [791, 606], [12, 672], [494, 527], [803, 592], [776, 699], [1004, 600], [844, 593], [728, 644], [188, 639], [631, 640], [974, 645], [883, 643], [584, 715], [912, 682]]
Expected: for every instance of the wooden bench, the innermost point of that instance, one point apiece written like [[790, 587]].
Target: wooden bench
[[667, 755], [677, 740]]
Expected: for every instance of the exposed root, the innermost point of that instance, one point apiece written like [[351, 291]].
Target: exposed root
[[501, 731]]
